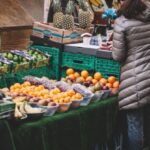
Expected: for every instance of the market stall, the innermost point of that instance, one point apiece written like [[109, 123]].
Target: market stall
[[60, 92]]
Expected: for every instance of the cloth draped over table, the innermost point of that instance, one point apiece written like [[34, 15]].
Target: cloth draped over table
[[78, 129]]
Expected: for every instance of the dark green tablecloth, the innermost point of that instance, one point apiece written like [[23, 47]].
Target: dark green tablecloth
[[77, 129]]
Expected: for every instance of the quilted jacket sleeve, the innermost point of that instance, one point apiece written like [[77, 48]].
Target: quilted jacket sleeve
[[119, 43]]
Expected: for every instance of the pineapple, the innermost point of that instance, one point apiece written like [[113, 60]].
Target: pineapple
[[68, 21], [58, 15], [84, 15]]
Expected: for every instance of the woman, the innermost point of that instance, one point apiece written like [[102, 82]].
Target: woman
[[131, 47]]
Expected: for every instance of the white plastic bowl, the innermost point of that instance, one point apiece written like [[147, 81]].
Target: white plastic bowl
[[86, 100], [64, 107], [76, 103]]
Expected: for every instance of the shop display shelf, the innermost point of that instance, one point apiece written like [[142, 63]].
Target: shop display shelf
[[107, 67]]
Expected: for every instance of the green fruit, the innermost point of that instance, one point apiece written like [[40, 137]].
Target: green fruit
[[36, 53], [44, 57], [5, 65], [10, 56], [30, 52], [24, 60], [16, 59], [97, 87], [39, 57], [20, 58], [5, 55]]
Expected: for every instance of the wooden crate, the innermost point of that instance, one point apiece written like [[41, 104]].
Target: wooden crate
[[15, 39]]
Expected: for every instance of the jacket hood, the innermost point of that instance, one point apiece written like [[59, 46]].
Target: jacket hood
[[145, 16]]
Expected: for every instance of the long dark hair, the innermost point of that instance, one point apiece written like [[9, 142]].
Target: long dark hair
[[132, 8]]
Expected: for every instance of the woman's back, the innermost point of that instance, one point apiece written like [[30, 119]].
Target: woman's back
[[131, 45]]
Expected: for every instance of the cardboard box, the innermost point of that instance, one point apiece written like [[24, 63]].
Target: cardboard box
[[58, 35], [81, 48]]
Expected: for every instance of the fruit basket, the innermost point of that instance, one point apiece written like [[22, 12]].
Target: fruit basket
[[54, 70], [4, 69], [40, 59], [5, 65], [86, 101], [20, 61], [88, 95], [22, 66], [76, 103], [106, 94], [97, 96], [64, 107]]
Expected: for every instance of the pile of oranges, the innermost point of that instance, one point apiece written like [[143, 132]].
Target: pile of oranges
[[27, 89], [84, 76], [40, 92]]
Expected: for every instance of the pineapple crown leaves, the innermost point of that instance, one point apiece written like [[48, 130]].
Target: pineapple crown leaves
[[57, 6], [82, 4], [70, 7]]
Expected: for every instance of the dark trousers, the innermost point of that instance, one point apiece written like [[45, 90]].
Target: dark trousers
[[136, 129]]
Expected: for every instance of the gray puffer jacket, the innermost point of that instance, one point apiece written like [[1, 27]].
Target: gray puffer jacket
[[131, 47]]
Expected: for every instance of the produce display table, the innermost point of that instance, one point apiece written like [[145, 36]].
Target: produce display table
[[77, 129]]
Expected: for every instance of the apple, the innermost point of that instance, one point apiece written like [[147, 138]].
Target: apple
[[52, 104]]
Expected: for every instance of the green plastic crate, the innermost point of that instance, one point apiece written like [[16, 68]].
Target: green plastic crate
[[78, 62], [107, 67], [54, 71], [3, 82], [11, 79]]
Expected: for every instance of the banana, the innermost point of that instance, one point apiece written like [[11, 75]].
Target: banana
[[21, 108], [18, 114], [99, 2], [29, 110], [94, 2]]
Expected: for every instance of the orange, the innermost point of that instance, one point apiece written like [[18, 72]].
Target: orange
[[69, 71], [71, 92], [78, 96], [109, 85], [56, 91], [46, 96], [116, 84], [97, 76], [27, 83], [71, 76], [114, 91], [82, 79], [84, 74], [36, 89], [12, 88], [41, 87], [76, 75], [94, 81], [103, 81], [17, 85], [67, 100], [111, 79], [89, 78]]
